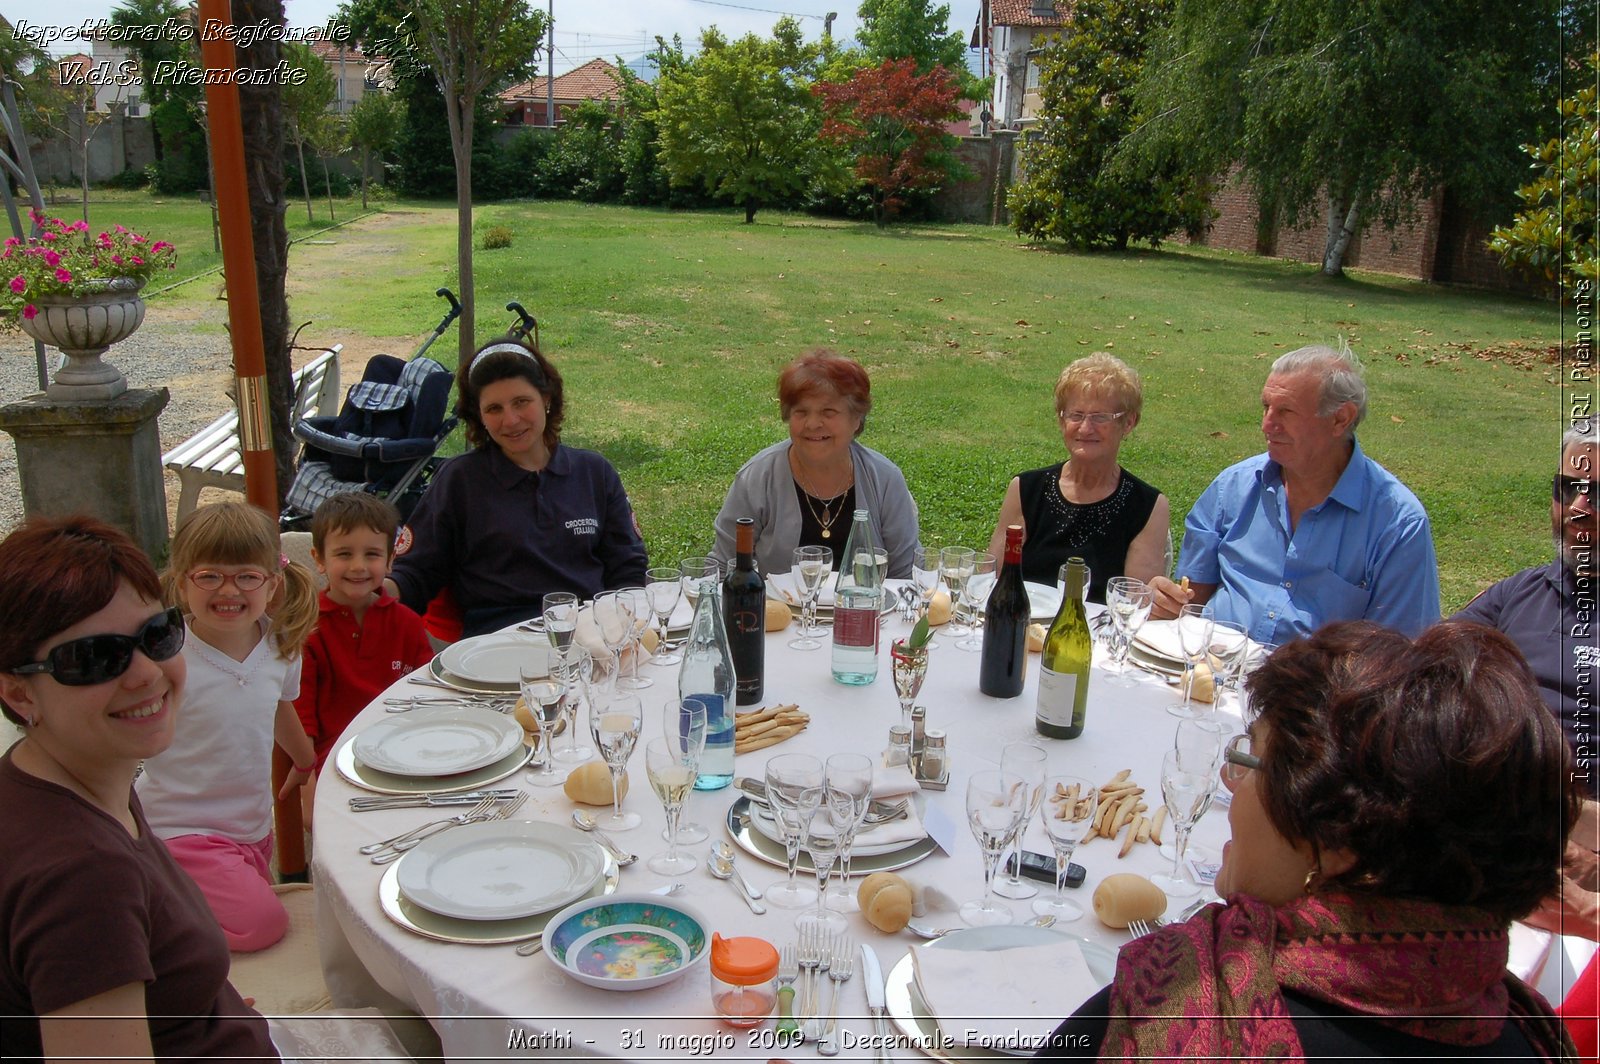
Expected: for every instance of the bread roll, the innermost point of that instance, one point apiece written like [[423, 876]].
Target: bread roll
[[1036, 634], [778, 616], [939, 608], [1123, 897], [886, 901], [590, 784]]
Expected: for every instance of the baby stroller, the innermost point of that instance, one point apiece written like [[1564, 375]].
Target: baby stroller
[[383, 439]]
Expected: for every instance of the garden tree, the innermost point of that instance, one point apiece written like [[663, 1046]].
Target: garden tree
[[915, 29], [892, 119], [586, 161], [373, 129], [1553, 236], [739, 118], [643, 180], [1071, 191], [163, 47], [305, 105], [1359, 108]]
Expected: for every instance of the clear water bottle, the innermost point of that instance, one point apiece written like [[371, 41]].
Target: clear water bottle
[[857, 602], [707, 674]]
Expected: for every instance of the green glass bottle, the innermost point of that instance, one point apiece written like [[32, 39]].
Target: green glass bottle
[[1064, 675]]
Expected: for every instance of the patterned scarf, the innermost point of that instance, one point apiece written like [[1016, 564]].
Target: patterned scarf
[[1212, 987]]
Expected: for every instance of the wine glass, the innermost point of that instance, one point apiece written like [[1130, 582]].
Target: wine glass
[[615, 624], [559, 610], [615, 724], [995, 804], [925, 577], [811, 566], [574, 667], [696, 571], [1230, 645], [1129, 601], [979, 583], [849, 792], [1023, 762], [955, 566], [825, 835], [664, 587], [671, 766], [542, 694], [909, 666], [1188, 794], [635, 606], [1194, 638], [684, 721], [1199, 743], [1068, 813], [795, 785]]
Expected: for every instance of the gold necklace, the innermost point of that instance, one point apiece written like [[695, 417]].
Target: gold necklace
[[826, 518]]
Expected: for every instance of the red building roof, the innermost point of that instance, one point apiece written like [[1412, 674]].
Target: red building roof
[[595, 80]]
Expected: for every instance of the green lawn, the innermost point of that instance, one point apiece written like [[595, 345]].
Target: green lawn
[[670, 329]]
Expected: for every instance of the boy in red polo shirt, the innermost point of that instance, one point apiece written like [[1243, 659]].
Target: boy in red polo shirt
[[365, 639]]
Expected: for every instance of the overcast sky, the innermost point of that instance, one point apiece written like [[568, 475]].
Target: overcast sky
[[585, 29]]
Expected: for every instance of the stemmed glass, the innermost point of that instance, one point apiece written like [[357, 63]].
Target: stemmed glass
[[615, 726], [543, 696], [1129, 601], [979, 584], [811, 566], [849, 793], [615, 623], [955, 568], [1230, 645], [696, 571], [574, 667], [995, 804], [909, 666], [663, 587], [1025, 763], [637, 608], [684, 721], [925, 577], [795, 785], [1187, 792], [1068, 814], [1199, 743], [671, 766], [1194, 638], [825, 835], [560, 614]]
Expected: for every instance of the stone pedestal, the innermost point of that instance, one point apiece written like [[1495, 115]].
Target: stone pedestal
[[99, 458]]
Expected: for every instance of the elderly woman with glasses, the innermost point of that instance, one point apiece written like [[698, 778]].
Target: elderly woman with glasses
[[520, 514], [1089, 506], [1396, 804], [110, 948]]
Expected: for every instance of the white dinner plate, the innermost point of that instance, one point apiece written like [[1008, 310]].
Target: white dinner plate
[[910, 1012], [370, 779], [442, 741], [762, 820], [496, 658], [741, 829], [500, 870], [1159, 639], [420, 921], [1043, 600]]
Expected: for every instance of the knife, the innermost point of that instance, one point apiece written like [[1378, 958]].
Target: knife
[[416, 801], [872, 978], [753, 787]]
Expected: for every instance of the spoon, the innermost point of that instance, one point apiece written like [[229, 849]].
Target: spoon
[[722, 868], [586, 822], [725, 857], [532, 946], [924, 931]]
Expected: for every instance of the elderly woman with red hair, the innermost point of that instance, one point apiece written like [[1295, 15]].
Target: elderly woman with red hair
[[803, 490]]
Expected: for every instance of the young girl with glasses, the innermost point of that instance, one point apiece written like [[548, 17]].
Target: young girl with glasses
[[249, 611]]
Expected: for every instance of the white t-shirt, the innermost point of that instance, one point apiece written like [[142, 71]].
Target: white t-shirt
[[216, 777]]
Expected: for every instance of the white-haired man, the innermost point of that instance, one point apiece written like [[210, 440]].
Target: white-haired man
[[1313, 530]]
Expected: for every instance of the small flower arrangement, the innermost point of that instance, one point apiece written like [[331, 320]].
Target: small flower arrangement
[[65, 260]]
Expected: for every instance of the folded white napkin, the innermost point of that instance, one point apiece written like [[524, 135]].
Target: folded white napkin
[[876, 839], [892, 782], [1002, 999]]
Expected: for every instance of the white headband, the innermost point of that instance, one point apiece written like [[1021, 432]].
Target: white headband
[[505, 349]]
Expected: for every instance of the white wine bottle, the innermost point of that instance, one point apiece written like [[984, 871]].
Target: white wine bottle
[[1064, 673]]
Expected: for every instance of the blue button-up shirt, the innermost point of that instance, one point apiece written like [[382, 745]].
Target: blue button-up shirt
[[1364, 552]]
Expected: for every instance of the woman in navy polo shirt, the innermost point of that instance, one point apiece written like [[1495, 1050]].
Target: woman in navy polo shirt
[[519, 515]]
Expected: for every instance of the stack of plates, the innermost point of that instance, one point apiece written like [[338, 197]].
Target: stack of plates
[[758, 836], [498, 881], [490, 664], [434, 749]]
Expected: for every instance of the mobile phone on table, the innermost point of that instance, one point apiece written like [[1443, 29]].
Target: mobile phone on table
[[1043, 868]]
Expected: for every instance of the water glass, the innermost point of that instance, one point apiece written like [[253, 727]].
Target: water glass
[[1188, 795], [974, 596], [1194, 638], [663, 586], [696, 572], [955, 569], [671, 766], [635, 606], [849, 793], [543, 696], [559, 610], [1023, 763], [824, 839], [795, 787], [574, 667], [811, 568], [1129, 602], [995, 805], [1068, 813], [925, 577], [684, 720], [615, 723]]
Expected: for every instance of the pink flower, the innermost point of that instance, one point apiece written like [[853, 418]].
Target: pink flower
[[117, 259], [18, 285], [121, 228], [80, 226], [64, 275], [12, 241], [136, 238], [47, 235], [105, 240], [30, 312], [160, 245], [136, 260], [52, 258]]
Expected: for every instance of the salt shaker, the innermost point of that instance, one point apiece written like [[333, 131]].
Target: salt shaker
[[898, 752], [933, 765]]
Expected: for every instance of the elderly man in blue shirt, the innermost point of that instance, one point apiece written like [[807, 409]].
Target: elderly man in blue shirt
[[1312, 531]]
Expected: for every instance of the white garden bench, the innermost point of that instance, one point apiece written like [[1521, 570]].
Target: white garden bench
[[211, 459]]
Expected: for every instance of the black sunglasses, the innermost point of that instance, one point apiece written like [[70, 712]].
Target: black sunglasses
[[1567, 489], [98, 658]]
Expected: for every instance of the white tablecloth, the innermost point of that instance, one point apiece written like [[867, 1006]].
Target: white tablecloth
[[486, 1001]]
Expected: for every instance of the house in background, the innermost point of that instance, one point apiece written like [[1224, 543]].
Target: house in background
[[524, 103], [353, 74], [1011, 34]]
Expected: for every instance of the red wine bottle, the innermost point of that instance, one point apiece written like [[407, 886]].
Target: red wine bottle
[[744, 606], [1004, 664]]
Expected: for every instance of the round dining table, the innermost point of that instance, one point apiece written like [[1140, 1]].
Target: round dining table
[[487, 1001]]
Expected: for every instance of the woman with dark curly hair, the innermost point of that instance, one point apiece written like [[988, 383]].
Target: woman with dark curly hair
[[519, 515], [1396, 805]]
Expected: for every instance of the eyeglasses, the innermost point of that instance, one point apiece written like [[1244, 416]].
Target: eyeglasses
[[210, 580], [1078, 417], [98, 658], [1567, 489], [1237, 759]]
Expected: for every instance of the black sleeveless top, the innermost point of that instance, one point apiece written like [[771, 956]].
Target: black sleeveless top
[[1097, 532]]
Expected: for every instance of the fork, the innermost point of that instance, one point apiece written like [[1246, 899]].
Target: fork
[[810, 957], [398, 850], [814, 1023], [788, 971], [1141, 928], [843, 967], [460, 818]]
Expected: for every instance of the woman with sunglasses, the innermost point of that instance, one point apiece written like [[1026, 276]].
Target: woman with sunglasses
[[1089, 506], [110, 949], [1396, 804], [249, 611]]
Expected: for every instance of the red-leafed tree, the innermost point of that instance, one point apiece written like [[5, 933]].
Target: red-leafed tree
[[892, 120]]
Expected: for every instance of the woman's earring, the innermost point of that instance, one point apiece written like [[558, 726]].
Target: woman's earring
[[1311, 878]]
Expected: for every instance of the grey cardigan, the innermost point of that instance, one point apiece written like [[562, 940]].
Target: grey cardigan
[[764, 489]]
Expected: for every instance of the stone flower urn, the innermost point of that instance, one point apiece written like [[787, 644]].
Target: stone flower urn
[[84, 327]]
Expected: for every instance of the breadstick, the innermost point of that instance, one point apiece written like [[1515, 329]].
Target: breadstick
[[779, 721], [771, 738], [1118, 778], [1127, 843], [1184, 583], [762, 714], [1155, 825], [1142, 828], [1123, 814]]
